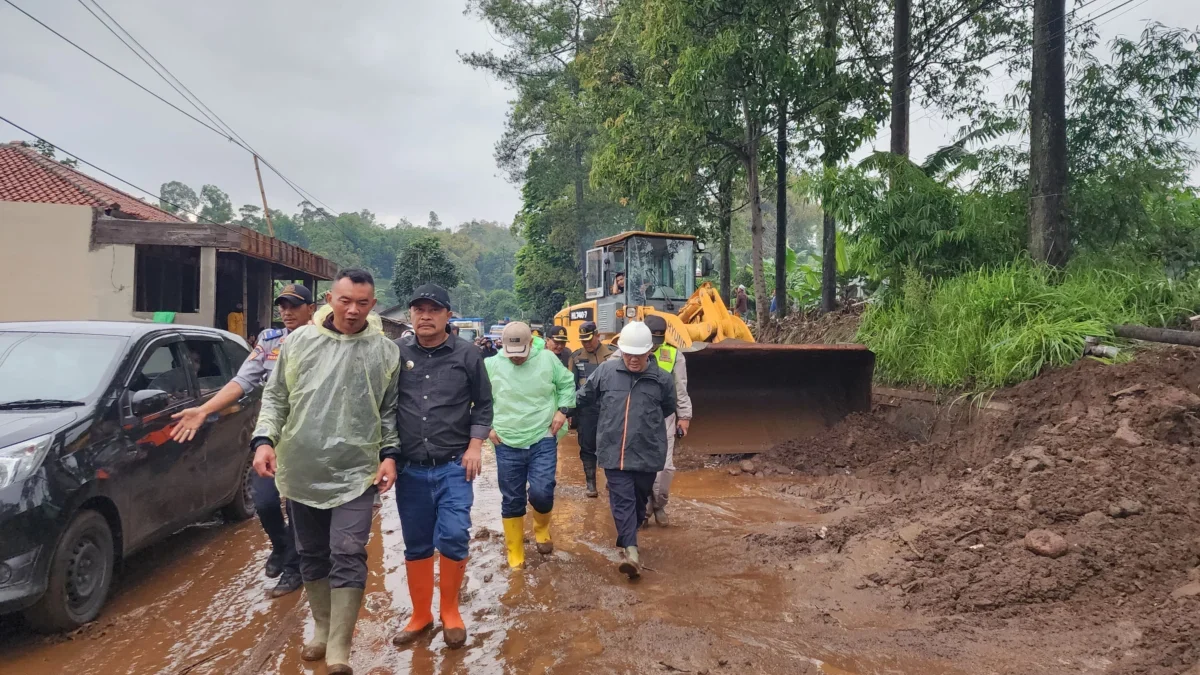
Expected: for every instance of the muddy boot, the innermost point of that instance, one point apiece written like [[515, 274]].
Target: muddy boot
[[514, 541], [289, 583], [318, 603], [343, 614], [659, 508], [589, 475], [541, 532], [420, 589], [454, 631], [630, 565], [274, 566]]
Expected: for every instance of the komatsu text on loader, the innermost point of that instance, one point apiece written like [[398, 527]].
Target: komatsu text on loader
[[746, 396]]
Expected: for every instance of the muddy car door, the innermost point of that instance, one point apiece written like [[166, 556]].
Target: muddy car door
[[162, 481], [225, 436]]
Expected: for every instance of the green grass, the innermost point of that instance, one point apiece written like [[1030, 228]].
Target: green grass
[[996, 327]]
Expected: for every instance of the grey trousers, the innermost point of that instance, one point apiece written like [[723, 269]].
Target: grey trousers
[[662, 482], [333, 542]]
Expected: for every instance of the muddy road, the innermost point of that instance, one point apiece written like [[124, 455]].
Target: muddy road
[[707, 603]]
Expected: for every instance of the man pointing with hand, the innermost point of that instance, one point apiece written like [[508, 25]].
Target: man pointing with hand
[[327, 433]]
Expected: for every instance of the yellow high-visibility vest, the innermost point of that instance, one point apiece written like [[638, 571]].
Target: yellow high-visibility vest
[[665, 355]]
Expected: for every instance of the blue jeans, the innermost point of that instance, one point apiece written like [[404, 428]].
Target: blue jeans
[[270, 514], [534, 466], [435, 510]]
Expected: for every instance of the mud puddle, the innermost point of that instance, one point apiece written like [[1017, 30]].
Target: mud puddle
[[195, 603]]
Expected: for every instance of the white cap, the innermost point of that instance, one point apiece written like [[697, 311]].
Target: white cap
[[635, 339], [516, 339]]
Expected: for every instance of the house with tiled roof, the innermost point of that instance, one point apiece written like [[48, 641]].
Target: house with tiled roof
[[27, 176], [78, 248]]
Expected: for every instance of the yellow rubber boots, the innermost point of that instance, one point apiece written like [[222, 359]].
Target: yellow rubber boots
[[541, 532], [514, 541]]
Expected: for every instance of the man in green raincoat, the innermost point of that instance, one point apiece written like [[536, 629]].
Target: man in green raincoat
[[327, 433], [531, 393]]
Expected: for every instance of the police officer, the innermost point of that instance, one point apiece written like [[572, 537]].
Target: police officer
[[296, 307], [556, 343], [583, 362]]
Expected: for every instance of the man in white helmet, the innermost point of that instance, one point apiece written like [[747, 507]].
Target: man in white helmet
[[633, 397]]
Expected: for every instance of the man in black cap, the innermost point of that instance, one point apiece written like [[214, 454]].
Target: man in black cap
[[444, 413], [583, 362], [556, 343], [296, 308]]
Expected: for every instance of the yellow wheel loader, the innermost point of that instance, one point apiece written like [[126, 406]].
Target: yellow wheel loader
[[746, 396]]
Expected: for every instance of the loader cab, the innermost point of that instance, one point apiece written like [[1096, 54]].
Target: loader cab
[[639, 269]]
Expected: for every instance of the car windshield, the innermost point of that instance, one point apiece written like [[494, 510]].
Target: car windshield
[[658, 269], [54, 365]]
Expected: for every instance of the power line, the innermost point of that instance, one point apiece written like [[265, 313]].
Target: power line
[[114, 176], [167, 76], [122, 75], [1074, 29], [229, 136]]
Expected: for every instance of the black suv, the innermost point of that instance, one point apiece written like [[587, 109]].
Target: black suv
[[88, 470]]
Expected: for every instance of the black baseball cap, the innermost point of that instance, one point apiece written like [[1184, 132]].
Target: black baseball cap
[[433, 293], [294, 294], [556, 333], [587, 330], [658, 328]]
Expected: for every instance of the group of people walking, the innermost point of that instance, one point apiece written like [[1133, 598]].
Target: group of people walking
[[347, 414]]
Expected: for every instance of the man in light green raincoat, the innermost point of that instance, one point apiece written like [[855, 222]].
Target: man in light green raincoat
[[327, 433], [531, 393]]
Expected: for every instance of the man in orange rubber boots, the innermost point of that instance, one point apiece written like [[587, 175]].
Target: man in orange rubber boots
[[443, 412]]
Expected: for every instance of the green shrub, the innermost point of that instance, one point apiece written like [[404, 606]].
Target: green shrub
[[995, 327]]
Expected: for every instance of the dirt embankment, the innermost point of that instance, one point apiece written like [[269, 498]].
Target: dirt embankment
[[813, 328], [1081, 500]]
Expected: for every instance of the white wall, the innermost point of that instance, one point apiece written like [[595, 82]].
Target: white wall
[[48, 272]]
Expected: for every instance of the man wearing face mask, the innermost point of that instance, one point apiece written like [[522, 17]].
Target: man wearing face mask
[[633, 397], [295, 303]]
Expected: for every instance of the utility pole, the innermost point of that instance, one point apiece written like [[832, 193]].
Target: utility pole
[[263, 192], [1048, 240], [901, 60]]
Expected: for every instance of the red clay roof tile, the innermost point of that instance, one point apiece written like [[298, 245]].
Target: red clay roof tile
[[26, 176]]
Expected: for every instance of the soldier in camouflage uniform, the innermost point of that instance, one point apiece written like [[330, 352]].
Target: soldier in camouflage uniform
[[296, 309]]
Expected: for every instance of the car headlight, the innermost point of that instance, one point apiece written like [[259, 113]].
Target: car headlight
[[20, 460]]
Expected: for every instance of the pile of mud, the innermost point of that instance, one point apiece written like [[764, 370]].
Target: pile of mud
[[813, 328], [1100, 463]]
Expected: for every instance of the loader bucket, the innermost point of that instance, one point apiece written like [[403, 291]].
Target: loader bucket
[[748, 397]]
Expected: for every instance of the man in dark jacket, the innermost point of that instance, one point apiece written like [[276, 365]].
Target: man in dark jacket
[[633, 398], [443, 414]]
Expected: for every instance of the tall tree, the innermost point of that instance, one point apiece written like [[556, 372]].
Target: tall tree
[[423, 261], [546, 40], [901, 61], [175, 197], [215, 206], [1048, 240]]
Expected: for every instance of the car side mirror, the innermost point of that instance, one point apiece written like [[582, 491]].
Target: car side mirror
[[704, 265], [148, 402]]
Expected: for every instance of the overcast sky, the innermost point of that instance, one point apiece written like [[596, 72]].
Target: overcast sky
[[365, 104]]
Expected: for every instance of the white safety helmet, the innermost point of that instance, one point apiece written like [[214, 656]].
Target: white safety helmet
[[635, 339]]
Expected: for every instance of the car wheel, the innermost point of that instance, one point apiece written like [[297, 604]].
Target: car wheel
[[81, 573], [242, 506]]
